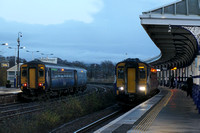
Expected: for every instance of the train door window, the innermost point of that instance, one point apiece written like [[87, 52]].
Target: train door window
[[120, 73], [142, 74], [80, 75], [75, 77], [41, 73]]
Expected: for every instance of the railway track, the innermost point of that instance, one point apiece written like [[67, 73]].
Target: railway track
[[91, 121], [12, 110], [14, 98], [93, 126], [18, 108], [96, 123]]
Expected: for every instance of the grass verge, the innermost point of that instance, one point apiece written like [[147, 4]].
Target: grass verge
[[58, 113]]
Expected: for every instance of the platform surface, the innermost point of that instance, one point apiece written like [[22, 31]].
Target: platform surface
[[171, 111], [7, 91], [126, 121], [179, 116]]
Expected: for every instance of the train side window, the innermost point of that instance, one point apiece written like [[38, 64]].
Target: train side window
[[142, 74], [24, 73], [41, 73], [120, 74], [69, 74]]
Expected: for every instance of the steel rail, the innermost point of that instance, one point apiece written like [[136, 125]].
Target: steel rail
[[21, 113], [94, 124], [25, 108]]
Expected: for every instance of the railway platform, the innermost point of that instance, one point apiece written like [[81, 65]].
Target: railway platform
[[168, 112], [7, 91]]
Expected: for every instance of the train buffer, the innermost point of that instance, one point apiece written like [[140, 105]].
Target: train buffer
[[169, 111]]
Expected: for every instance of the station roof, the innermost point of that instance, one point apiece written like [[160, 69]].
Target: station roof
[[168, 27], [14, 68]]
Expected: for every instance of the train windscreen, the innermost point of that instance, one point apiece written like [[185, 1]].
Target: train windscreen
[[142, 74], [120, 73], [41, 73], [24, 71]]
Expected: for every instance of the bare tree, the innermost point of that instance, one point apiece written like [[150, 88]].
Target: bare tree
[[108, 69], [79, 64]]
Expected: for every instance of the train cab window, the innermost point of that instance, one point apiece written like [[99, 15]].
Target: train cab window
[[24, 73], [142, 74], [41, 73], [120, 74]]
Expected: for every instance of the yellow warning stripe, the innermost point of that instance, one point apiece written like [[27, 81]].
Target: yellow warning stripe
[[146, 122]]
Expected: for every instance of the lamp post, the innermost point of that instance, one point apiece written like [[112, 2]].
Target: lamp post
[[32, 53], [15, 52], [4, 44], [18, 40], [15, 48]]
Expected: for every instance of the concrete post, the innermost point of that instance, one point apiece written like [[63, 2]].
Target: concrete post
[[163, 80], [182, 75]]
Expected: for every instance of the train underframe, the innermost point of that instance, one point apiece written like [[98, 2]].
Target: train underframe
[[131, 99], [40, 93]]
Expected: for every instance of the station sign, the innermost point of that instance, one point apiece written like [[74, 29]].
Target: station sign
[[4, 64], [49, 60]]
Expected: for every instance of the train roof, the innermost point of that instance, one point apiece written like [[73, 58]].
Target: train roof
[[51, 65], [132, 60]]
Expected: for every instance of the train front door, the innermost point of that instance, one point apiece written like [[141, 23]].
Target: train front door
[[32, 77], [75, 78], [131, 74]]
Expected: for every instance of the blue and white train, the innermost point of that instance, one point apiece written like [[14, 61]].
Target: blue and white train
[[37, 78]]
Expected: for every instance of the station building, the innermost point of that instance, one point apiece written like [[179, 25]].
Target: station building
[[175, 30], [11, 75]]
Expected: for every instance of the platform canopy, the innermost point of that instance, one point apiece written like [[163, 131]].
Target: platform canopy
[[168, 27]]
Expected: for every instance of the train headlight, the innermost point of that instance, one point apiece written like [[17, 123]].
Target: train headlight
[[121, 88], [142, 88]]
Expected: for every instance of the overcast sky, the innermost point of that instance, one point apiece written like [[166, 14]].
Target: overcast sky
[[78, 30]]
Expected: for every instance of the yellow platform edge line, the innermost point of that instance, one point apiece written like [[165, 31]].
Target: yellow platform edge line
[[151, 116]]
